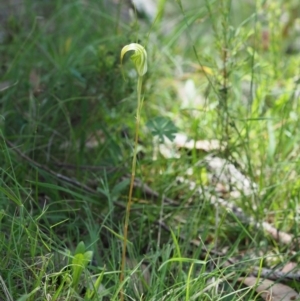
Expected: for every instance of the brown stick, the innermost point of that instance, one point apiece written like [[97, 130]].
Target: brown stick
[[45, 168]]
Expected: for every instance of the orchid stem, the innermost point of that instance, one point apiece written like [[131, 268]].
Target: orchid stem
[[133, 170], [139, 58]]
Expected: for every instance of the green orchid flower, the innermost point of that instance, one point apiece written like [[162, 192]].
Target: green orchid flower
[[139, 57]]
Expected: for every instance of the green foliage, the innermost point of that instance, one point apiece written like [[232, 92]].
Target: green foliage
[[162, 127], [79, 262], [218, 71]]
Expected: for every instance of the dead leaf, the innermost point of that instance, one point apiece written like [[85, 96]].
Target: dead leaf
[[182, 141], [231, 179], [281, 236], [170, 149], [290, 266], [270, 290], [34, 80]]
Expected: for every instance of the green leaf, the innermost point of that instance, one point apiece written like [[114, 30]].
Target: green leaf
[[80, 249], [11, 196], [79, 263], [77, 267], [27, 296], [91, 291], [75, 73], [120, 187], [162, 127], [88, 256]]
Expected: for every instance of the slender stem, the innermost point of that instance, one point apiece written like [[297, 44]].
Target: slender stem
[[133, 170]]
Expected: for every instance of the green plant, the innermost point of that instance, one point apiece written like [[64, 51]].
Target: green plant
[[75, 273], [79, 262], [139, 59]]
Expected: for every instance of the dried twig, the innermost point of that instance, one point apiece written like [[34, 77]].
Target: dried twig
[[150, 192], [89, 167], [276, 275], [278, 235], [45, 168]]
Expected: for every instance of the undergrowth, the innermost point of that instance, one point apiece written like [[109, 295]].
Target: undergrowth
[[223, 71]]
